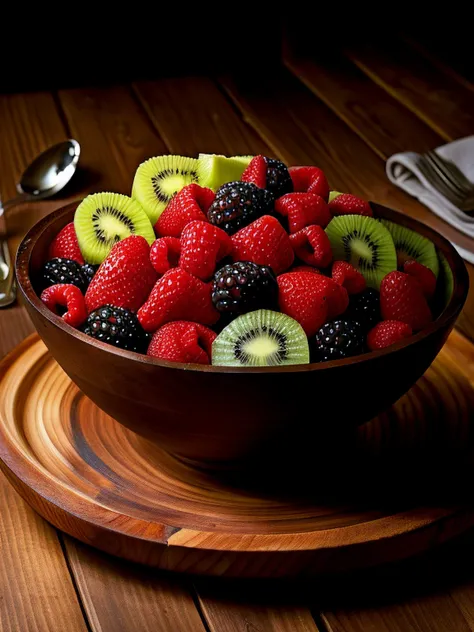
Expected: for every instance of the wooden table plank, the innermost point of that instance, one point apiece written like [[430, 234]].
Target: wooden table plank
[[435, 97], [122, 597]]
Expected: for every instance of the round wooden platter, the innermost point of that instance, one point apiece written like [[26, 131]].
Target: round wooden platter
[[392, 488]]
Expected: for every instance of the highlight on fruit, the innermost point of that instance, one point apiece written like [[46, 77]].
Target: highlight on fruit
[[240, 261]]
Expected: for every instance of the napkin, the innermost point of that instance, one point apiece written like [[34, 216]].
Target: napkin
[[402, 170]]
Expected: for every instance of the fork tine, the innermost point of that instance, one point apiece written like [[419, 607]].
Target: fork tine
[[441, 172], [437, 182], [451, 172], [435, 176]]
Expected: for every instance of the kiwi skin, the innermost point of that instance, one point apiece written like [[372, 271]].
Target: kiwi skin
[[412, 246]]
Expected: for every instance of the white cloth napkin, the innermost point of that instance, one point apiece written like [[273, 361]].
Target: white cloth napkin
[[402, 170]]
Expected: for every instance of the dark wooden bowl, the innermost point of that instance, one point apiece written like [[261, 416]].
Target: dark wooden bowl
[[219, 416]]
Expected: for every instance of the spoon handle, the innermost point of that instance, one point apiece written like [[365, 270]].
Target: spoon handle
[[19, 199], [7, 276]]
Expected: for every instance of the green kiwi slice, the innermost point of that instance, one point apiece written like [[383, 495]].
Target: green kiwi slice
[[158, 179], [445, 285], [215, 170], [365, 243], [103, 219], [261, 338], [410, 245]]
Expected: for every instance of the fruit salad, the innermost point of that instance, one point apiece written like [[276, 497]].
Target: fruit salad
[[241, 261]]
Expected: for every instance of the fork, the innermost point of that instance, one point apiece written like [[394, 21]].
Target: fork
[[461, 189], [463, 200]]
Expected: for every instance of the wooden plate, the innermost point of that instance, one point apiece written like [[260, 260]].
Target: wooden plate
[[394, 487]]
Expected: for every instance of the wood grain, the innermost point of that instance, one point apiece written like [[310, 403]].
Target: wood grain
[[121, 597], [434, 96]]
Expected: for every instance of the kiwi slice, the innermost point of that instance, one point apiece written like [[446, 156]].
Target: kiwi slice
[[103, 219], [158, 179], [445, 285], [261, 338], [410, 245], [333, 195], [215, 170], [365, 243]]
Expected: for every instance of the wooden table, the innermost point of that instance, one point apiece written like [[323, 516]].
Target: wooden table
[[346, 114]]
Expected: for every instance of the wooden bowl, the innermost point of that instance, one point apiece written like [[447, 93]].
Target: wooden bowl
[[222, 417]]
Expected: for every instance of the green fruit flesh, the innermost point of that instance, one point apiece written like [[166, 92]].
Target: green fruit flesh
[[215, 170], [333, 195], [158, 179], [412, 246], [261, 338], [445, 285], [103, 219], [365, 243]]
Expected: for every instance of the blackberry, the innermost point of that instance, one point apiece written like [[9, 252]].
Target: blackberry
[[238, 204], [279, 180], [88, 272], [118, 327], [244, 287], [365, 308], [59, 270], [339, 339]]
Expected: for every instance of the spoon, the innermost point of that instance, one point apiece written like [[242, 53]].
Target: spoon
[[47, 174]]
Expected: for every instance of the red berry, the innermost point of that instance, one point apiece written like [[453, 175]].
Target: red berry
[[310, 180], [387, 333], [183, 341], [265, 242], [348, 204], [305, 269], [401, 298], [347, 276], [423, 275], [178, 296], [256, 172], [66, 295], [300, 297], [312, 245], [164, 254], [202, 246], [125, 278], [192, 202], [65, 245], [303, 209]]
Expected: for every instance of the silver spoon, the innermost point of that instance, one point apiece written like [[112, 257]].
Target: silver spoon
[[46, 175]]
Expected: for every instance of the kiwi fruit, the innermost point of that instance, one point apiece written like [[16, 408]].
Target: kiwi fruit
[[365, 243], [261, 338], [410, 245], [215, 170], [158, 179], [103, 219], [445, 285], [333, 195]]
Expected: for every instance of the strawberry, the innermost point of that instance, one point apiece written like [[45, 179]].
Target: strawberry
[[303, 209], [66, 295], [178, 295], [300, 297], [192, 202], [387, 333], [348, 204], [265, 242], [125, 278], [164, 254], [423, 275], [182, 341], [401, 298], [305, 269], [65, 245], [312, 245], [347, 276], [310, 180], [256, 172], [202, 246]]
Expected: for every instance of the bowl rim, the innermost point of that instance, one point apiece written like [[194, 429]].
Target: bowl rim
[[451, 310]]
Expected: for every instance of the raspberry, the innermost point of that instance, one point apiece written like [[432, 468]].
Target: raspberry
[[182, 341], [312, 245], [365, 308], [244, 287], [338, 339], [305, 269], [192, 202], [118, 327], [303, 209], [265, 242], [178, 296], [347, 276], [387, 333], [202, 246], [423, 275], [238, 204], [310, 180], [69, 296], [269, 174], [348, 204], [256, 172], [63, 271], [65, 245], [164, 254], [402, 298]]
